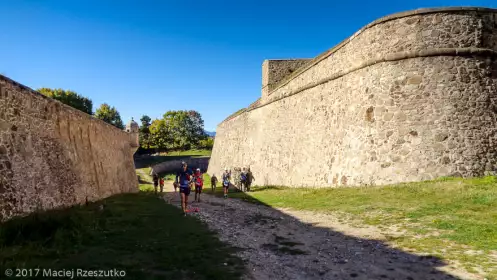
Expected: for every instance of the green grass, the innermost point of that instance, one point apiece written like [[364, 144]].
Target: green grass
[[137, 233], [192, 153], [462, 211], [146, 187], [176, 155]]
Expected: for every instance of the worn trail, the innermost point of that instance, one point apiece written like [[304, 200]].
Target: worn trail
[[277, 244]]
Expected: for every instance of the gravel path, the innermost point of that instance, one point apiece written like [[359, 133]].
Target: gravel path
[[285, 244]]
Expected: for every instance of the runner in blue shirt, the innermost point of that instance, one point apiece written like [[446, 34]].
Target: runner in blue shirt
[[183, 178]]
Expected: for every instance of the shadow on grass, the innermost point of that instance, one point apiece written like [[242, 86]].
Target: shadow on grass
[[307, 251], [141, 181], [265, 188], [151, 160], [137, 233]]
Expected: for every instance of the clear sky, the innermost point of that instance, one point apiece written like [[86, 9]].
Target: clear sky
[[148, 57]]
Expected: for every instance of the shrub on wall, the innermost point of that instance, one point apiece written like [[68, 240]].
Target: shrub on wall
[[70, 98]]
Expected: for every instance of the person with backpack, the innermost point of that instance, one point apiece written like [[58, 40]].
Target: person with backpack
[[161, 184], [226, 182], [199, 184], [155, 178], [183, 178], [243, 179], [250, 179], [213, 182]]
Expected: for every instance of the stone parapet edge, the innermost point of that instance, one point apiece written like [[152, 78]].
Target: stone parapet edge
[[34, 92], [389, 57], [384, 19]]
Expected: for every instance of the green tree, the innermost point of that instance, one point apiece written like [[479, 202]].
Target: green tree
[[145, 136], [145, 121], [178, 130], [109, 115], [207, 143], [161, 135], [70, 98], [194, 128], [174, 120]]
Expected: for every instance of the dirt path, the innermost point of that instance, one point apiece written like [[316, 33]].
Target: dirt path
[[284, 244]]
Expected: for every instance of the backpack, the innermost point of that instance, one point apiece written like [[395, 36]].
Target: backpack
[[243, 176], [198, 181], [226, 179]]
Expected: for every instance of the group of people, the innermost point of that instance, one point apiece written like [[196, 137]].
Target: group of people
[[242, 177], [158, 181], [185, 179]]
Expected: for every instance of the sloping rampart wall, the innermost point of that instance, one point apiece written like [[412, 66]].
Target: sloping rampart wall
[[410, 97], [52, 155]]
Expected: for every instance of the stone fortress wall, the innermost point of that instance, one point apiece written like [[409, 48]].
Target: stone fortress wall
[[409, 97], [52, 155]]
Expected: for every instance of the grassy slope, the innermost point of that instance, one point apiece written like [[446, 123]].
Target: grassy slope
[[462, 211], [192, 153], [172, 156], [138, 233]]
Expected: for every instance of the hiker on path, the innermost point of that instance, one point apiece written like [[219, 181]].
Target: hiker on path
[[183, 178], [155, 178], [226, 182], [161, 183], [199, 184], [243, 179], [250, 179], [213, 182]]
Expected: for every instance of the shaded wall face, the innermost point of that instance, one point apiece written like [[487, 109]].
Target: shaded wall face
[[52, 155], [406, 120], [174, 166]]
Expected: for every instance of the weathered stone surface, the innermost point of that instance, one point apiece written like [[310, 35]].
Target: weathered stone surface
[[275, 71], [52, 155], [430, 118]]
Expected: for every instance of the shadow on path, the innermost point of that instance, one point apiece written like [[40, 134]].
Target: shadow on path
[[135, 235], [278, 246]]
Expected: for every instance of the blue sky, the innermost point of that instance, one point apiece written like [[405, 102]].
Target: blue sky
[[148, 57]]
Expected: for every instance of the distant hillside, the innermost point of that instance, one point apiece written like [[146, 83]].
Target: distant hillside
[[211, 134]]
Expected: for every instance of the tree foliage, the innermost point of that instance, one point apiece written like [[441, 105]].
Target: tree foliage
[[161, 135], [70, 98], [178, 130], [145, 137], [207, 143], [109, 115], [145, 120]]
